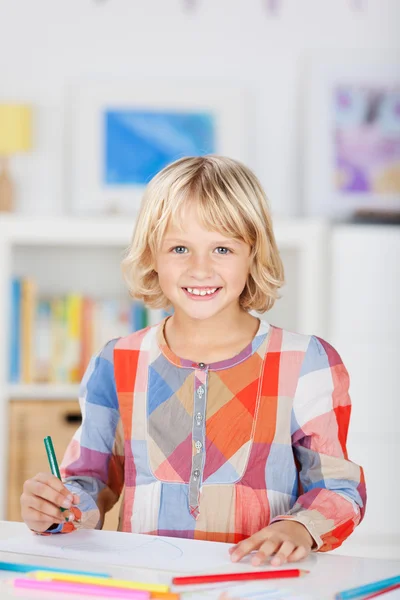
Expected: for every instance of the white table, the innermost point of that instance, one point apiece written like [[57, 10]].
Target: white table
[[329, 573]]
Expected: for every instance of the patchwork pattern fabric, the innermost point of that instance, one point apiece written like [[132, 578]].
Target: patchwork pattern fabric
[[218, 451]]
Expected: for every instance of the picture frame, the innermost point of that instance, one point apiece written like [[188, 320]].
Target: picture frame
[[124, 132], [352, 136]]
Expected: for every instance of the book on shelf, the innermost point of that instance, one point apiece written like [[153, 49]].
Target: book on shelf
[[15, 331], [28, 300], [53, 338]]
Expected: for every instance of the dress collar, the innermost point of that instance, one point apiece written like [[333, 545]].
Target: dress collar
[[252, 347]]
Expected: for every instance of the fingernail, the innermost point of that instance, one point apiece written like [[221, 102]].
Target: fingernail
[[67, 503], [70, 497], [235, 557], [256, 561]]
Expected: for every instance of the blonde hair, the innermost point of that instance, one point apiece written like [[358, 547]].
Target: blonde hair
[[229, 199]]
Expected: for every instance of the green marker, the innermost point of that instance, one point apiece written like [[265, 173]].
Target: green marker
[[51, 455]]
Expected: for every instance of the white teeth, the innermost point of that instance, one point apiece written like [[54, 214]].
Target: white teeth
[[197, 292]]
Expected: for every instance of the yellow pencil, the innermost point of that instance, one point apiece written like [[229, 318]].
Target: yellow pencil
[[109, 582]]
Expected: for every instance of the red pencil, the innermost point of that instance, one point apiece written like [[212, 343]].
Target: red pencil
[[250, 576], [384, 591]]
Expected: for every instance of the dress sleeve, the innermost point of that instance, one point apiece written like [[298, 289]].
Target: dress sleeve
[[333, 493], [93, 463]]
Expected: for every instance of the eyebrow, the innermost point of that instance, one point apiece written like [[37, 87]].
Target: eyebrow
[[214, 242]]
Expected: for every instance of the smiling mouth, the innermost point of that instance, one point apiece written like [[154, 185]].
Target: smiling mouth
[[201, 293]]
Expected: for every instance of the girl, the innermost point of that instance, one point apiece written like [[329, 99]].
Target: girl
[[219, 425]]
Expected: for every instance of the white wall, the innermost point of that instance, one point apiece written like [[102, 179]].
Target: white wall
[[48, 45]]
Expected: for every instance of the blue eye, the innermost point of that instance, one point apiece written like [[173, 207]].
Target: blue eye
[[223, 249], [179, 249]]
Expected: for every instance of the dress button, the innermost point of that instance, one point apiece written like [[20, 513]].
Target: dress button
[[202, 365], [200, 391], [198, 446], [196, 474], [199, 419]]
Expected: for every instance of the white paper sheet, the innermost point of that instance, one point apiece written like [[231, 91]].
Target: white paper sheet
[[245, 591], [128, 549]]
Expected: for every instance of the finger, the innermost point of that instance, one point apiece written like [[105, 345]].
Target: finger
[[34, 487], [266, 550], [34, 518], [39, 521], [55, 483], [75, 499], [247, 546], [44, 507], [39, 526], [282, 555], [298, 554]]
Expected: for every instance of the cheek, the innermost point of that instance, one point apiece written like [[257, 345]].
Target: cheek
[[167, 272], [239, 270], [242, 275]]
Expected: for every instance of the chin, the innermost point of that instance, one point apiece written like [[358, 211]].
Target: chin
[[202, 312], [200, 315]]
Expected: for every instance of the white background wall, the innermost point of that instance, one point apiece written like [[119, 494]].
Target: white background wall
[[46, 46]]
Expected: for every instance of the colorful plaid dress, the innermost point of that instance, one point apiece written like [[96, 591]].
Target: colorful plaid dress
[[217, 451]]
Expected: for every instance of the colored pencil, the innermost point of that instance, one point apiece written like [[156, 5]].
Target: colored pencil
[[116, 583], [249, 576], [367, 589], [23, 568], [383, 591], [51, 455], [65, 587]]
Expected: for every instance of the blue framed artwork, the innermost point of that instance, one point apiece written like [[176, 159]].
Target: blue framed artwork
[[138, 144], [127, 131]]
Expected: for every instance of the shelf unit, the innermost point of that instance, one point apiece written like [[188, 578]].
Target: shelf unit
[[306, 238], [44, 391]]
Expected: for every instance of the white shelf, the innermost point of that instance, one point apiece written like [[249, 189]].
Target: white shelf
[[45, 391], [36, 239], [113, 231], [49, 231]]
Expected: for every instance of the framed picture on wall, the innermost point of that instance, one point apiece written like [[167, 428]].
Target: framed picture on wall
[[352, 137], [124, 133]]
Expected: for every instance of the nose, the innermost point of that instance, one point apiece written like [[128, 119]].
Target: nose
[[200, 267]]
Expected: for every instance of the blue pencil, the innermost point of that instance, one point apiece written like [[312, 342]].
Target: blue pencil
[[22, 568], [366, 589]]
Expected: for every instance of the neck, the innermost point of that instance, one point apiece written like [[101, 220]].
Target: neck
[[183, 330]]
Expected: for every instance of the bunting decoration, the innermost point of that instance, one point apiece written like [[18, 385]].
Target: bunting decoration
[[190, 4], [272, 6]]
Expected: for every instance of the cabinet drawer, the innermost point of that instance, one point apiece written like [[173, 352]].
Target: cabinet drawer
[[29, 423]]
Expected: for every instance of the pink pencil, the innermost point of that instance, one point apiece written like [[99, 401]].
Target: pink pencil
[[81, 588]]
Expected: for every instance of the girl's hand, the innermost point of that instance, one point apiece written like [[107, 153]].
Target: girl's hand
[[288, 541], [41, 499]]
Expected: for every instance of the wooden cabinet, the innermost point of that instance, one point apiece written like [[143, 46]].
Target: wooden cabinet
[[29, 423]]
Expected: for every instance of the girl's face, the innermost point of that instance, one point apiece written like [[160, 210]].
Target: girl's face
[[201, 272]]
